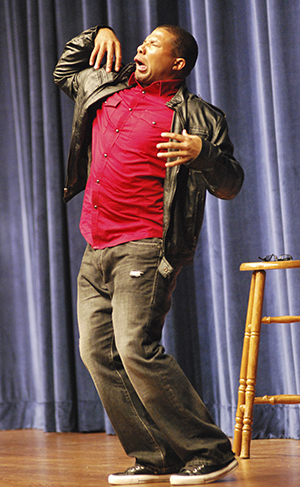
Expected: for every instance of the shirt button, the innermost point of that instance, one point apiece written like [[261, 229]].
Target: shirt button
[[117, 130], [98, 181], [95, 206], [153, 123], [130, 109], [105, 155]]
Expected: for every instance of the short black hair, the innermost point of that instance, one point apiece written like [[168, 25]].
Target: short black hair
[[184, 44]]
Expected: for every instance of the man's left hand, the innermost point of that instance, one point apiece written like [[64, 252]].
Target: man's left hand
[[182, 149], [106, 42]]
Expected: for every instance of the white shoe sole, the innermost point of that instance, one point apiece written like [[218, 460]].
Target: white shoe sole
[[136, 479], [203, 479]]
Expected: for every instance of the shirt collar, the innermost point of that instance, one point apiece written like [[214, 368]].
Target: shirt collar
[[166, 88]]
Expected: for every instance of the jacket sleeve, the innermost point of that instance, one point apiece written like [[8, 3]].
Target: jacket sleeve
[[75, 58], [222, 173]]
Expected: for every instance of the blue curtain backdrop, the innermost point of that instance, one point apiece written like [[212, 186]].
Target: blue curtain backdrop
[[249, 65]]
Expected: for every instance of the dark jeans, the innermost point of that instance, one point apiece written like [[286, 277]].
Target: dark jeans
[[157, 415]]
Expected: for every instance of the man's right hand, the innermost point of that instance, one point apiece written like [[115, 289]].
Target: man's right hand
[[106, 42]]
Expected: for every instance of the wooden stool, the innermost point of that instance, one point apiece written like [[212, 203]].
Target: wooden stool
[[248, 373]]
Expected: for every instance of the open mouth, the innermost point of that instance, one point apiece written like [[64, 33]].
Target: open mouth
[[140, 66]]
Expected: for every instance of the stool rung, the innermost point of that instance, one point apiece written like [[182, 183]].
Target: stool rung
[[281, 319], [280, 399]]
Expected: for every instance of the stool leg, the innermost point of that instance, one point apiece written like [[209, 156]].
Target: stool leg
[[237, 441], [252, 361]]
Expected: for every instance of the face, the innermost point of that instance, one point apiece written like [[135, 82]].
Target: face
[[155, 59]]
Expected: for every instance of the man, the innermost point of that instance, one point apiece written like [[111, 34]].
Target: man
[[146, 150]]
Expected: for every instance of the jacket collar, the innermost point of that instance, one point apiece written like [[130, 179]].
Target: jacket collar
[[179, 97]]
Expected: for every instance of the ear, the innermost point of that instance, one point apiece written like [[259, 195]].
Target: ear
[[179, 64]]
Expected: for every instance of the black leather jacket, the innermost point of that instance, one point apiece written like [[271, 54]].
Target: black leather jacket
[[215, 169]]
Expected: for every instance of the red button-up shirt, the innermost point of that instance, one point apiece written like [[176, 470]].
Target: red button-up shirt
[[123, 198]]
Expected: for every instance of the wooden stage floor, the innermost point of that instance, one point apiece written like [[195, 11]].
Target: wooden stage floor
[[34, 458]]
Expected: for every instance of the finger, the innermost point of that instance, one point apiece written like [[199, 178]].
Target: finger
[[172, 142], [171, 145], [172, 135], [177, 162], [175, 154], [109, 59], [113, 50], [118, 57], [93, 56], [100, 53]]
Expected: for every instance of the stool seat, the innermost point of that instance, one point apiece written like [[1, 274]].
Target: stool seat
[[248, 372], [277, 264]]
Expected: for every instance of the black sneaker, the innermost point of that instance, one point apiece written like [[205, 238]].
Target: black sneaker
[[137, 475], [202, 474]]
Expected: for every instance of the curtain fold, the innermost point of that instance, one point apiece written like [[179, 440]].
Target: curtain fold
[[248, 65]]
